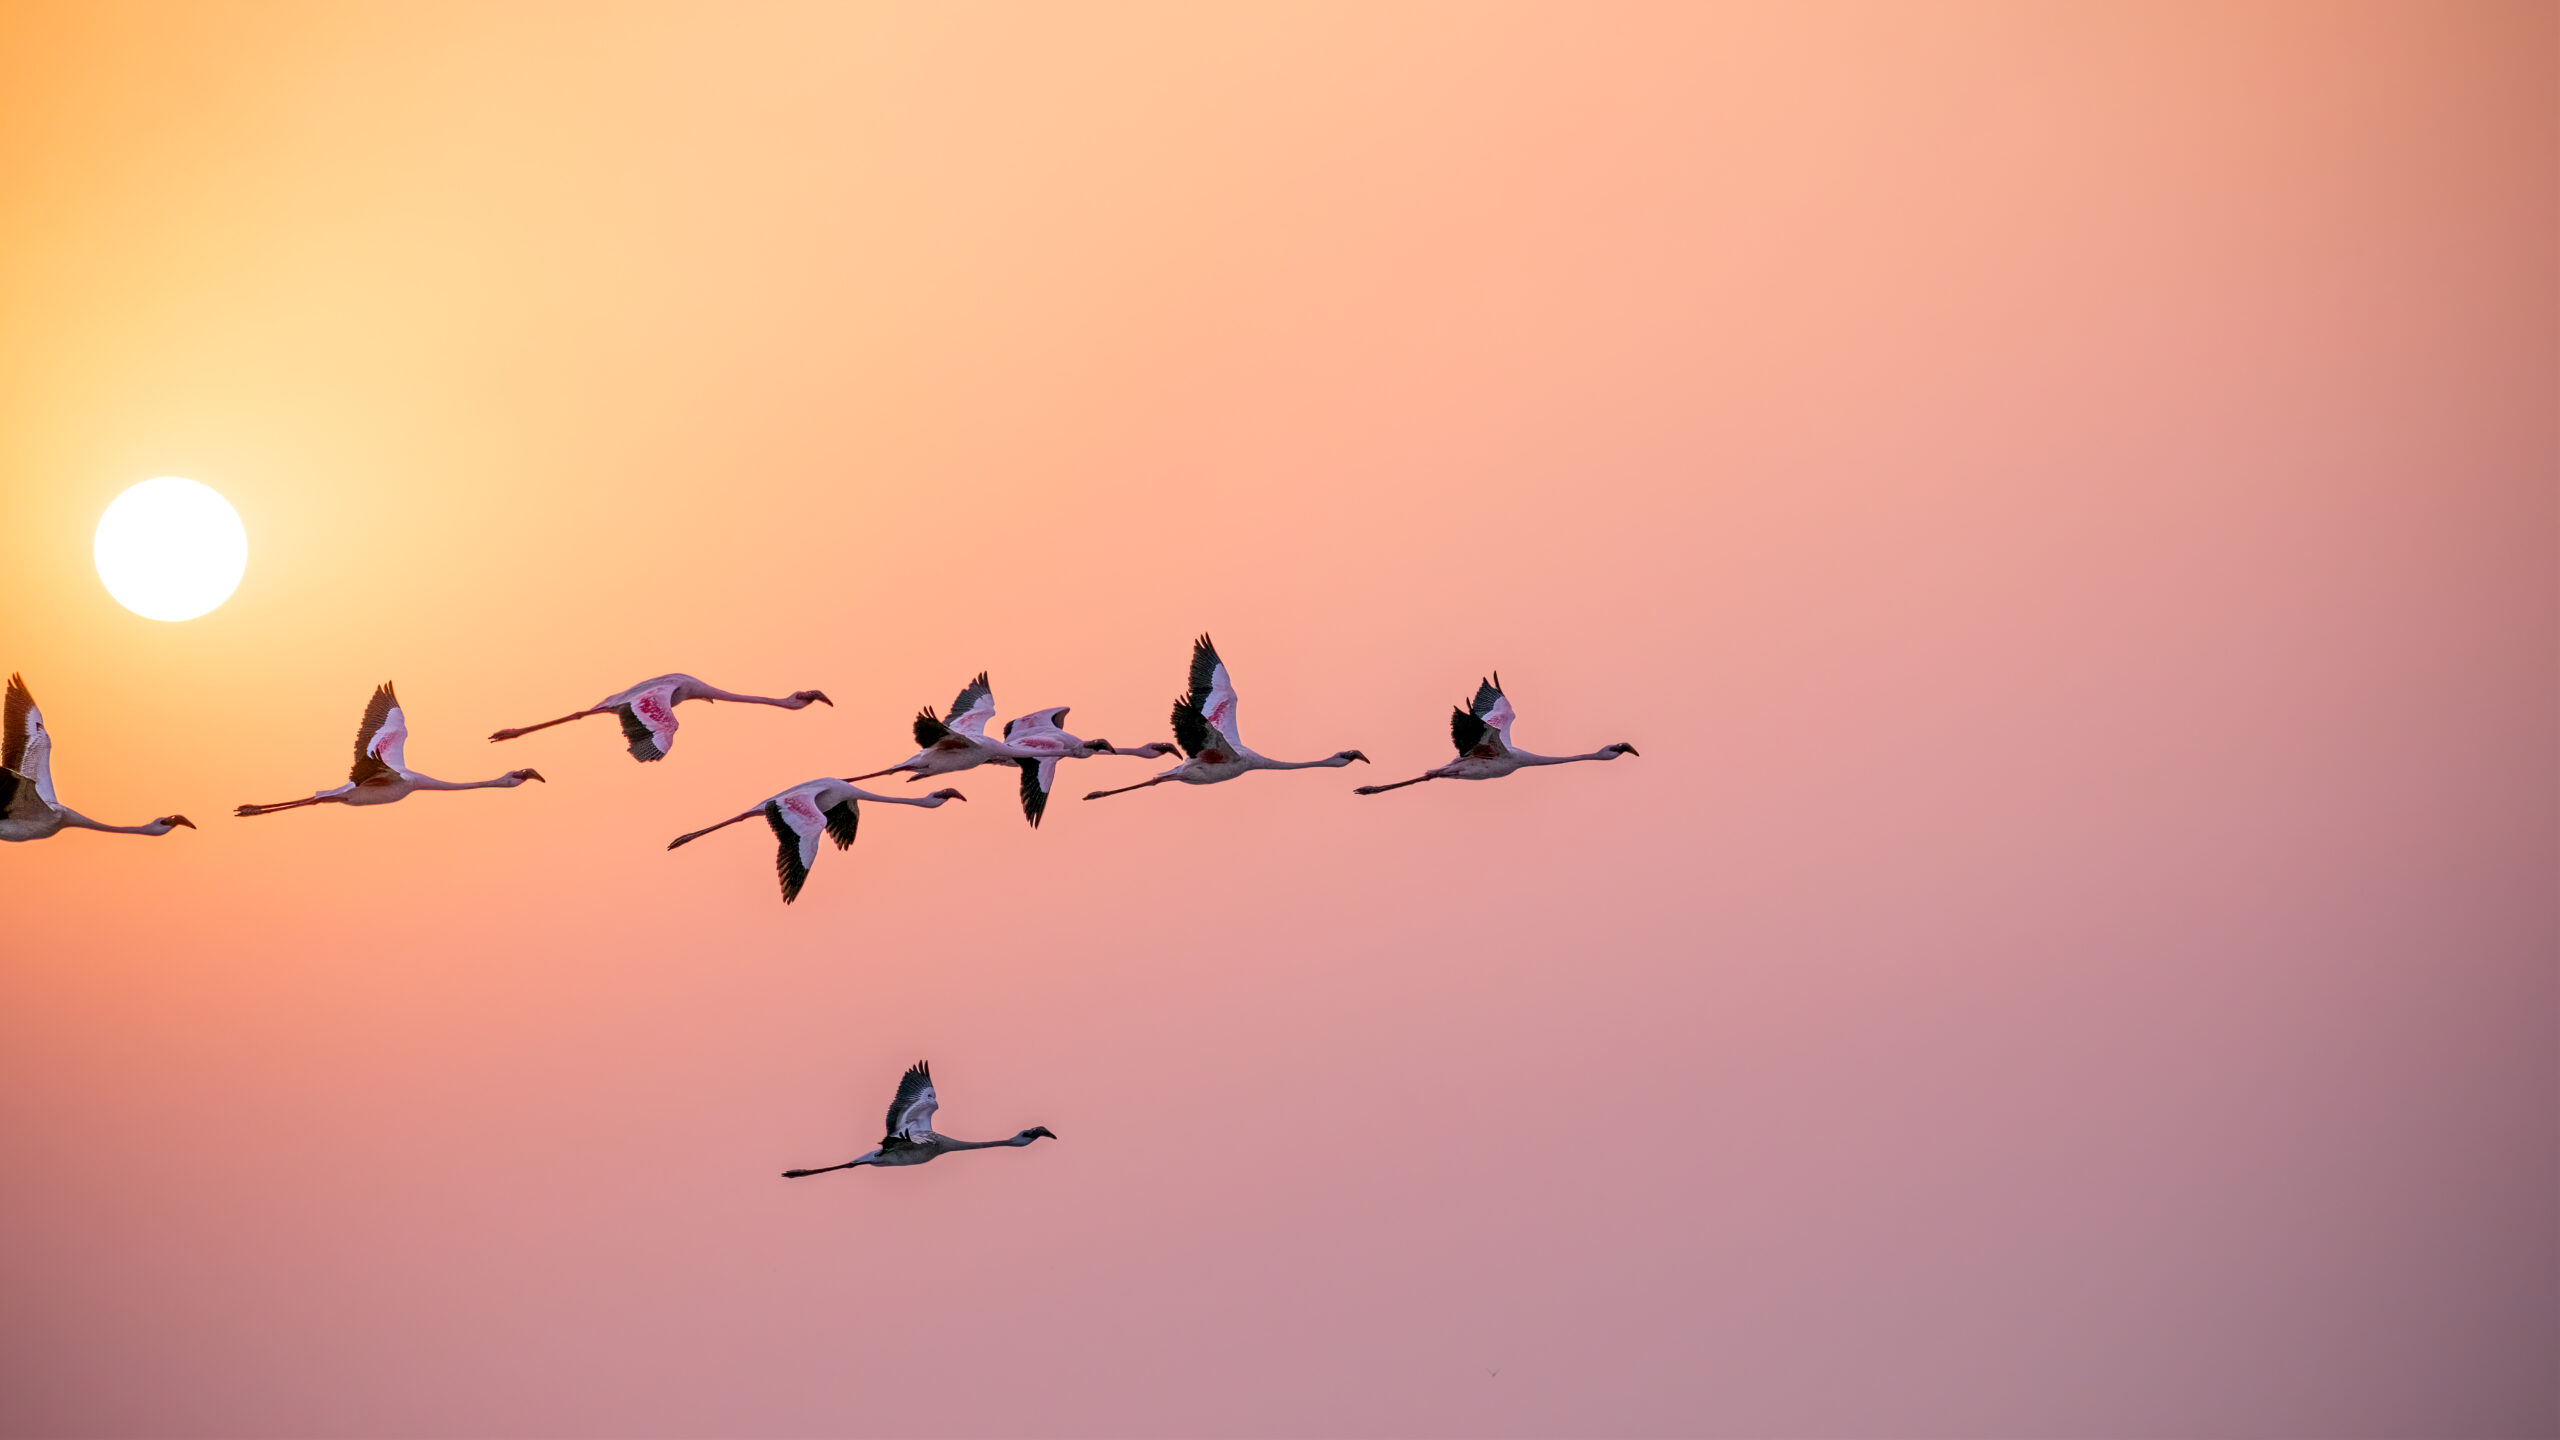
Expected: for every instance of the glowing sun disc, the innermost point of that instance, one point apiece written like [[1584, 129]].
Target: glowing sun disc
[[171, 549]]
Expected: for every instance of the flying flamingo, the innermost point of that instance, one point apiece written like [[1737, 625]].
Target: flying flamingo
[[802, 813], [1042, 730], [648, 711], [28, 810], [1204, 723], [958, 741], [911, 1140], [1482, 733], [381, 773]]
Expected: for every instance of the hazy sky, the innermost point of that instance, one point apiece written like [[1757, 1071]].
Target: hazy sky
[[2065, 498]]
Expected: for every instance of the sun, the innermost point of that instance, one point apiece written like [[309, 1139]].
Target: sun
[[171, 549]]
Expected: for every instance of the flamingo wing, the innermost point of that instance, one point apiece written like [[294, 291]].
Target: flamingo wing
[[27, 748], [649, 722], [797, 823], [1483, 728], [911, 1114], [1206, 715], [1037, 778], [842, 817], [973, 708], [1030, 729], [381, 739], [19, 800], [1217, 693]]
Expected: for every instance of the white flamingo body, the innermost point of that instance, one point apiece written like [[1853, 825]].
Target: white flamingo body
[[800, 815], [1044, 731], [381, 772], [29, 810], [911, 1138], [1481, 729], [1204, 725], [957, 741], [648, 711]]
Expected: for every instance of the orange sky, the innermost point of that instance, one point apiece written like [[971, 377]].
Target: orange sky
[[2063, 498]]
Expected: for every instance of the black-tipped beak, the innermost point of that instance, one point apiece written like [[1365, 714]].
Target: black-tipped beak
[[1629, 750], [821, 697], [533, 775], [182, 820]]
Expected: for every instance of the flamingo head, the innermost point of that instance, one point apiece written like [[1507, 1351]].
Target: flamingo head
[[172, 822], [521, 776], [946, 794], [1037, 1132], [1347, 756], [1622, 748], [802, 699]]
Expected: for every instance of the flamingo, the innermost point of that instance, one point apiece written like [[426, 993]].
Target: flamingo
[[1043, 730], [648, 711], [806, 810], [28, 810], [1204, 723], [958, 741], [1482, 732], [381, 773], [911, 1139]]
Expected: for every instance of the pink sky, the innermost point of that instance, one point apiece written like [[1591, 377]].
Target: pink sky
[[2066, 500]]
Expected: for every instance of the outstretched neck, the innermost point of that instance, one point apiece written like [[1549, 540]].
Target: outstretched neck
[[1330, 762], [429, 782], [1009, 1143], [1529, 759], [714, 692], [74, 818]]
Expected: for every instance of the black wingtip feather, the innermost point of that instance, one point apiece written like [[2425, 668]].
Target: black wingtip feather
[[1204, 664], [968, 698], [1035, 801], [786, 861], [644, 746], [367, 765], [13, 744], [842, 818]]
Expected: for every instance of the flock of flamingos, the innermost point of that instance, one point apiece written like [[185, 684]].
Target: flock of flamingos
[[1204, 731]]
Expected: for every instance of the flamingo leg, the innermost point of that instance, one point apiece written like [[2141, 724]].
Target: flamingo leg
[[1383, 789], [821, 1170], [545, 725], [876, 774], [248, 810], [1125, 789], [693, 835]]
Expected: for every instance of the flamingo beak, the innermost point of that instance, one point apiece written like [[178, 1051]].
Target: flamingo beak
[[1629, 750], [176, 820], [531, 775], [821, 697]]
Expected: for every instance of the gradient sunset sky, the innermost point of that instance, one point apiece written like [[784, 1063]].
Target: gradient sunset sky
[[2065, 498]]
